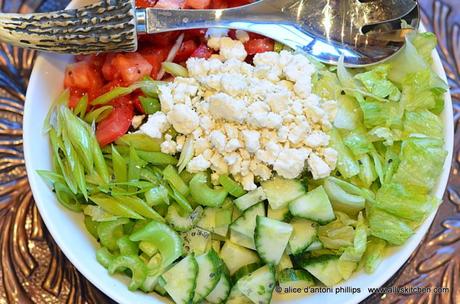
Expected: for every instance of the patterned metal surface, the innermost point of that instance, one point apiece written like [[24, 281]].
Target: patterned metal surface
[[34, 270]]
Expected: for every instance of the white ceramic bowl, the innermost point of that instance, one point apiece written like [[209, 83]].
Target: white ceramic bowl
[[68, 230]]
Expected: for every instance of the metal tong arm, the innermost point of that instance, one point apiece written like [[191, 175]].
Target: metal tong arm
[[109, 25]]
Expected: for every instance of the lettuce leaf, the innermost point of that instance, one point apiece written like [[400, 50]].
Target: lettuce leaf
[[347, 165], [373, 255], [375, 82], [349, 115], [406, 202], [338, 234], [423, 90], [326, 85], [388, 227], [381, 114], [358, 142], [407, 62], [423, 122], [422, 160], [425, 43], [355, 253]]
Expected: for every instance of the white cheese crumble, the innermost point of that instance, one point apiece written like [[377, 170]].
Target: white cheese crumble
[[248, 121]]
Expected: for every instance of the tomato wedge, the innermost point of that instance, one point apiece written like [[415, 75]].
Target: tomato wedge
[[115, 125], [197, 4], [202, 52], [155, 56], [82, 75], [186, 49], [259, 45]]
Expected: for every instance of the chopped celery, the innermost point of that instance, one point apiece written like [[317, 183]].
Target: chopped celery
[[157, 195], [205, 195], [133, 263]]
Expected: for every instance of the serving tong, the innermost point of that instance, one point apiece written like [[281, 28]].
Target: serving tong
[[363, 33]]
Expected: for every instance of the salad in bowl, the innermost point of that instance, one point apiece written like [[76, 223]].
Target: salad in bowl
[[215, 166]]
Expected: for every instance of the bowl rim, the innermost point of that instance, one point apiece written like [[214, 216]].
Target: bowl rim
[[60, 237]]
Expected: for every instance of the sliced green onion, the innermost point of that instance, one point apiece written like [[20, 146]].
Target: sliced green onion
[[113, 206], [120, 167], [231, 186], [186, 155], [140, 141], [150, 105], [62, 99], [141, 207], [111, 95], [180, 199], [98, 114], [66, 197], [172, 177], [82, 105], [174, 69]]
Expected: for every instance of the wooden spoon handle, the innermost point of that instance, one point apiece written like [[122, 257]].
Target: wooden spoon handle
[[108, 26]]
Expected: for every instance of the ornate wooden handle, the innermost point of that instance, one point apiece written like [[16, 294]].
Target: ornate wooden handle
[[106, 26]]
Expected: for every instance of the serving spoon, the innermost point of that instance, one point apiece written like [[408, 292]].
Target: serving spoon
[[363, 33]]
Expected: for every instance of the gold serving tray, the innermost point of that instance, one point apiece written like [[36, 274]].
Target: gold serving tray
[[34, 270]]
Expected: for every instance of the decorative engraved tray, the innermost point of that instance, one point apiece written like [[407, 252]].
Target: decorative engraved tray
[[34, 270]]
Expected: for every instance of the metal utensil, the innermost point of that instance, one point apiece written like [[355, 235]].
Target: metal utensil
[[363, 33]]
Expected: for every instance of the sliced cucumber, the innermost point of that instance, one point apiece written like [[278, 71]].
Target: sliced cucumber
[[180, 280], [314, 205], [325, 268], [182, 223], [271, 238], [221, 291], [316, 245], [237, 297], [305, 232], [258, 286], [284, 263], [216, 220], [342, 200], [242, 229], [279, 214], [209, 272], [250, 199], [295, 278], [245, 270], [235, 256], [281, 191], [216, 246], [197, 240]]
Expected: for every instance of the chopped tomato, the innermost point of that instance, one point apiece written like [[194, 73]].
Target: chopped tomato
[[129, 67], [197, 4], [202, 52], [82, 75], [155, 56], [186, 49], [170, 4], [259, 45], [232, 34], [236, 3], [115, 125], [145, 3], [75, 96], [166, 39], [219, 4], [93, 94], [195, 34], [96, 60]]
